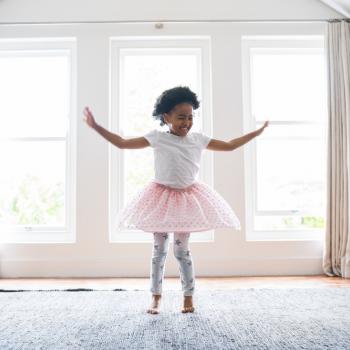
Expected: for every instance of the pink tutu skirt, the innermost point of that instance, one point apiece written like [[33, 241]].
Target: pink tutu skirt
[[160, 208]]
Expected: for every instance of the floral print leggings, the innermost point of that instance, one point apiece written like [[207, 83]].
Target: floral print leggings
[[183, 256]]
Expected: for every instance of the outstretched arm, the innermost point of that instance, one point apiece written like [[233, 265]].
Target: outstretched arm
[[116, 140], [219, 145]]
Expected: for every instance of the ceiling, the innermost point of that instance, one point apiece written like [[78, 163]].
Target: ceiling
[[341, 6]]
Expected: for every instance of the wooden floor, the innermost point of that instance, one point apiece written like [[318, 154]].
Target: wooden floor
[[173, 283]]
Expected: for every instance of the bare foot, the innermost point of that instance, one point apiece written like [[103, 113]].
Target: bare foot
[[155, 306], [188, 304]]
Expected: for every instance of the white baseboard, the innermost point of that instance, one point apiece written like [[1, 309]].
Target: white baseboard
[[89, 268]]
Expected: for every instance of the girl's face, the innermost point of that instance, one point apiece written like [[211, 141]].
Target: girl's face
[[180, 119]]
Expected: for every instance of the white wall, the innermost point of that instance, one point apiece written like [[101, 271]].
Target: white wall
[[157, 10], [230, 254]]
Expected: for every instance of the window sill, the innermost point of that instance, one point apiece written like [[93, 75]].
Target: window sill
[[49, 237]]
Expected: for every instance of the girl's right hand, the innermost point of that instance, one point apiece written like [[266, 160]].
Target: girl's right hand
[[89, 118]]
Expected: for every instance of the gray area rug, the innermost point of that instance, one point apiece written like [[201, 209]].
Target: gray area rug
[[310, 318]]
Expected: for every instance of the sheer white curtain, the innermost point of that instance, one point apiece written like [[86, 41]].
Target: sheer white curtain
[[336, 259]]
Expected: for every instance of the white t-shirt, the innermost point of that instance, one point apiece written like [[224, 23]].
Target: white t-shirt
[[177, 158]]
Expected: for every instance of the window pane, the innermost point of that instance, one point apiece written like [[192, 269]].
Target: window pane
[[34, 90], [302, 131], [291, 175], [32, 183], [297, 222], [138, 167], [145, 75], [288, 84]]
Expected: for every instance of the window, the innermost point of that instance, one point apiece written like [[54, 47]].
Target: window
[[285, 83], [36, 179], [140, 71]]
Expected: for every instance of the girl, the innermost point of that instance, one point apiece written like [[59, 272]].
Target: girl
[[175, 200]]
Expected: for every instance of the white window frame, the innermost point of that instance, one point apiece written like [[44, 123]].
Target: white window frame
[[274, 41], [116, 162], [42, 233]]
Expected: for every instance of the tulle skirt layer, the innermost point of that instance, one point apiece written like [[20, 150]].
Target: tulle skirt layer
[[160, 208]]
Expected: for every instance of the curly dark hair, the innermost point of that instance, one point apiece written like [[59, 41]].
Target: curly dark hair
[[170, 98]]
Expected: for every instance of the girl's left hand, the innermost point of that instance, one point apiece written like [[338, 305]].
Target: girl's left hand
[[259, 131], [265, 124]]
